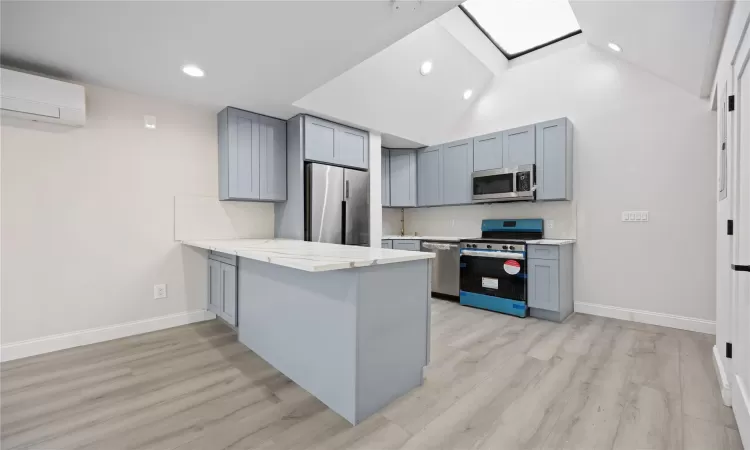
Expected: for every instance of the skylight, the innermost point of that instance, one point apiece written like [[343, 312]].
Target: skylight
[[518, 27]]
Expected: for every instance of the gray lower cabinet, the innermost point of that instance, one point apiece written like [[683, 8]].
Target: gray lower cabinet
[[332, 143], [386, 243], [385, 177], [252, 156], [518, 146], [429, 190], [488, 151], [406, 244], [457, 162], [403, 176], [554, 160], [550, 282], [222, 290]]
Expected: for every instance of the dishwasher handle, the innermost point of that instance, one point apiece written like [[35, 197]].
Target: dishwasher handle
[[437, 246]]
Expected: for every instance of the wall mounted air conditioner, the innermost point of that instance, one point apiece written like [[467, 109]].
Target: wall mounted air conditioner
[[42, 99]]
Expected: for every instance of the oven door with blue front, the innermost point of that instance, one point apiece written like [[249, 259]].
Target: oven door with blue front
[[494, 280]]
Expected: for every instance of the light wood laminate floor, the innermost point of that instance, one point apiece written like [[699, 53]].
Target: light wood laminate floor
[[495, 382]]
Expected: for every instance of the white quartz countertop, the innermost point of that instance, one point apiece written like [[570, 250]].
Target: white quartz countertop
[[309, 256], [552, 242], [427, 238]]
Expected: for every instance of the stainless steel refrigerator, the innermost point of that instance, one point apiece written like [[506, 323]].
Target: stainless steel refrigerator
[[337, 206]]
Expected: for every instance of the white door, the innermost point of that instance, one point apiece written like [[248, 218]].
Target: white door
[[741, 241]]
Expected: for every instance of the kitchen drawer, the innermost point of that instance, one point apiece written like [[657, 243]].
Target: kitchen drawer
[[406, 244], [543, 252], [386, 243], [223, 257]]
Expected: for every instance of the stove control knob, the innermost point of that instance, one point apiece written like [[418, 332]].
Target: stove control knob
[[512, 247], [505, 247], [474, 245], [489, 246]]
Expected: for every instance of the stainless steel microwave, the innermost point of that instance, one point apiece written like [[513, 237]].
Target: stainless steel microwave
[[502, 185]]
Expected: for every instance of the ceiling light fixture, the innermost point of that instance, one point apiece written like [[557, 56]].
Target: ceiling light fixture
[[193, 70], [614, 47], [425, 68], [467, 94]]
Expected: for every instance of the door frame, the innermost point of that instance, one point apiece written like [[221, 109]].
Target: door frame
[[739, 183]]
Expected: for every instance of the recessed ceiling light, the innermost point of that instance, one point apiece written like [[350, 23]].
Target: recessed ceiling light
[[425, 68], [193, 70], [467, 94], [614, 47]]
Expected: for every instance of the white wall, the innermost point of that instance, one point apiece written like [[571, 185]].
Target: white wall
[[376, 202], [87, 216], [640, 144]]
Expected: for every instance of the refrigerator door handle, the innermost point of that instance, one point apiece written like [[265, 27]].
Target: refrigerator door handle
[[346, 191], [343, 222]]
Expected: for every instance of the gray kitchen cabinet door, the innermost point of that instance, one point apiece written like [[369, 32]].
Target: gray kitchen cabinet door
[[320, 138], [386, 243], [488, 151], [518, 146], [457, 164], [385, 177], [214, 286], [402, 244], [229, 293], [429, 188], [350, 147], [553, 171], [403, 178], [272, 159], [544, 284], [241, 144]]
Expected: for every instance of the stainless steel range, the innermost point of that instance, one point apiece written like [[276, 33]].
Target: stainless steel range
[[493, 268]]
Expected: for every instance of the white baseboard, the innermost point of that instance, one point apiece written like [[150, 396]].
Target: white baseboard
[[651, 318], [721, 374], [740, 407], [56, 342]]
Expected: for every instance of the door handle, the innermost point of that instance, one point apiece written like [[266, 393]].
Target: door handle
[[740, 268], [346, 194]]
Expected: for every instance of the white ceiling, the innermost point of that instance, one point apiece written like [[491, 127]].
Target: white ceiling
[[260, 56], [388, 94], [679, 41]]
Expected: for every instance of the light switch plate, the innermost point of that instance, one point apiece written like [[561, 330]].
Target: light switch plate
[[635, 216], [160, 291]]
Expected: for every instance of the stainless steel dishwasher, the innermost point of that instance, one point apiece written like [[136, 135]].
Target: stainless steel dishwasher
[[445, 266]]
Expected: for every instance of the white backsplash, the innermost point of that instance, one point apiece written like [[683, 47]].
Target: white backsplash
[[391, 221], [559, 218]]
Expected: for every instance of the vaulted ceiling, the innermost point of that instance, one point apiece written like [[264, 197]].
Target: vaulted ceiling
[[257, 55]]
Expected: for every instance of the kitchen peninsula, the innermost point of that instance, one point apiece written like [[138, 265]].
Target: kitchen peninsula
[[349, 324]]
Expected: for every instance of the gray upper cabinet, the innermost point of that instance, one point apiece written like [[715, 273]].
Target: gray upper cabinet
[[320, 136], [385, 177], [429, 189], [403, 178], [252, 156], [518, 146], [332, 143], [554, 160], [457, 160], [488, 151], [272, 159]]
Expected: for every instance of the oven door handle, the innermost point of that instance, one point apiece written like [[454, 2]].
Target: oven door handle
[[493, 254]]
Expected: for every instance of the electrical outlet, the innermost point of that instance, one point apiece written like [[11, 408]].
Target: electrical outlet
[[550, 224], [160, 291]]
